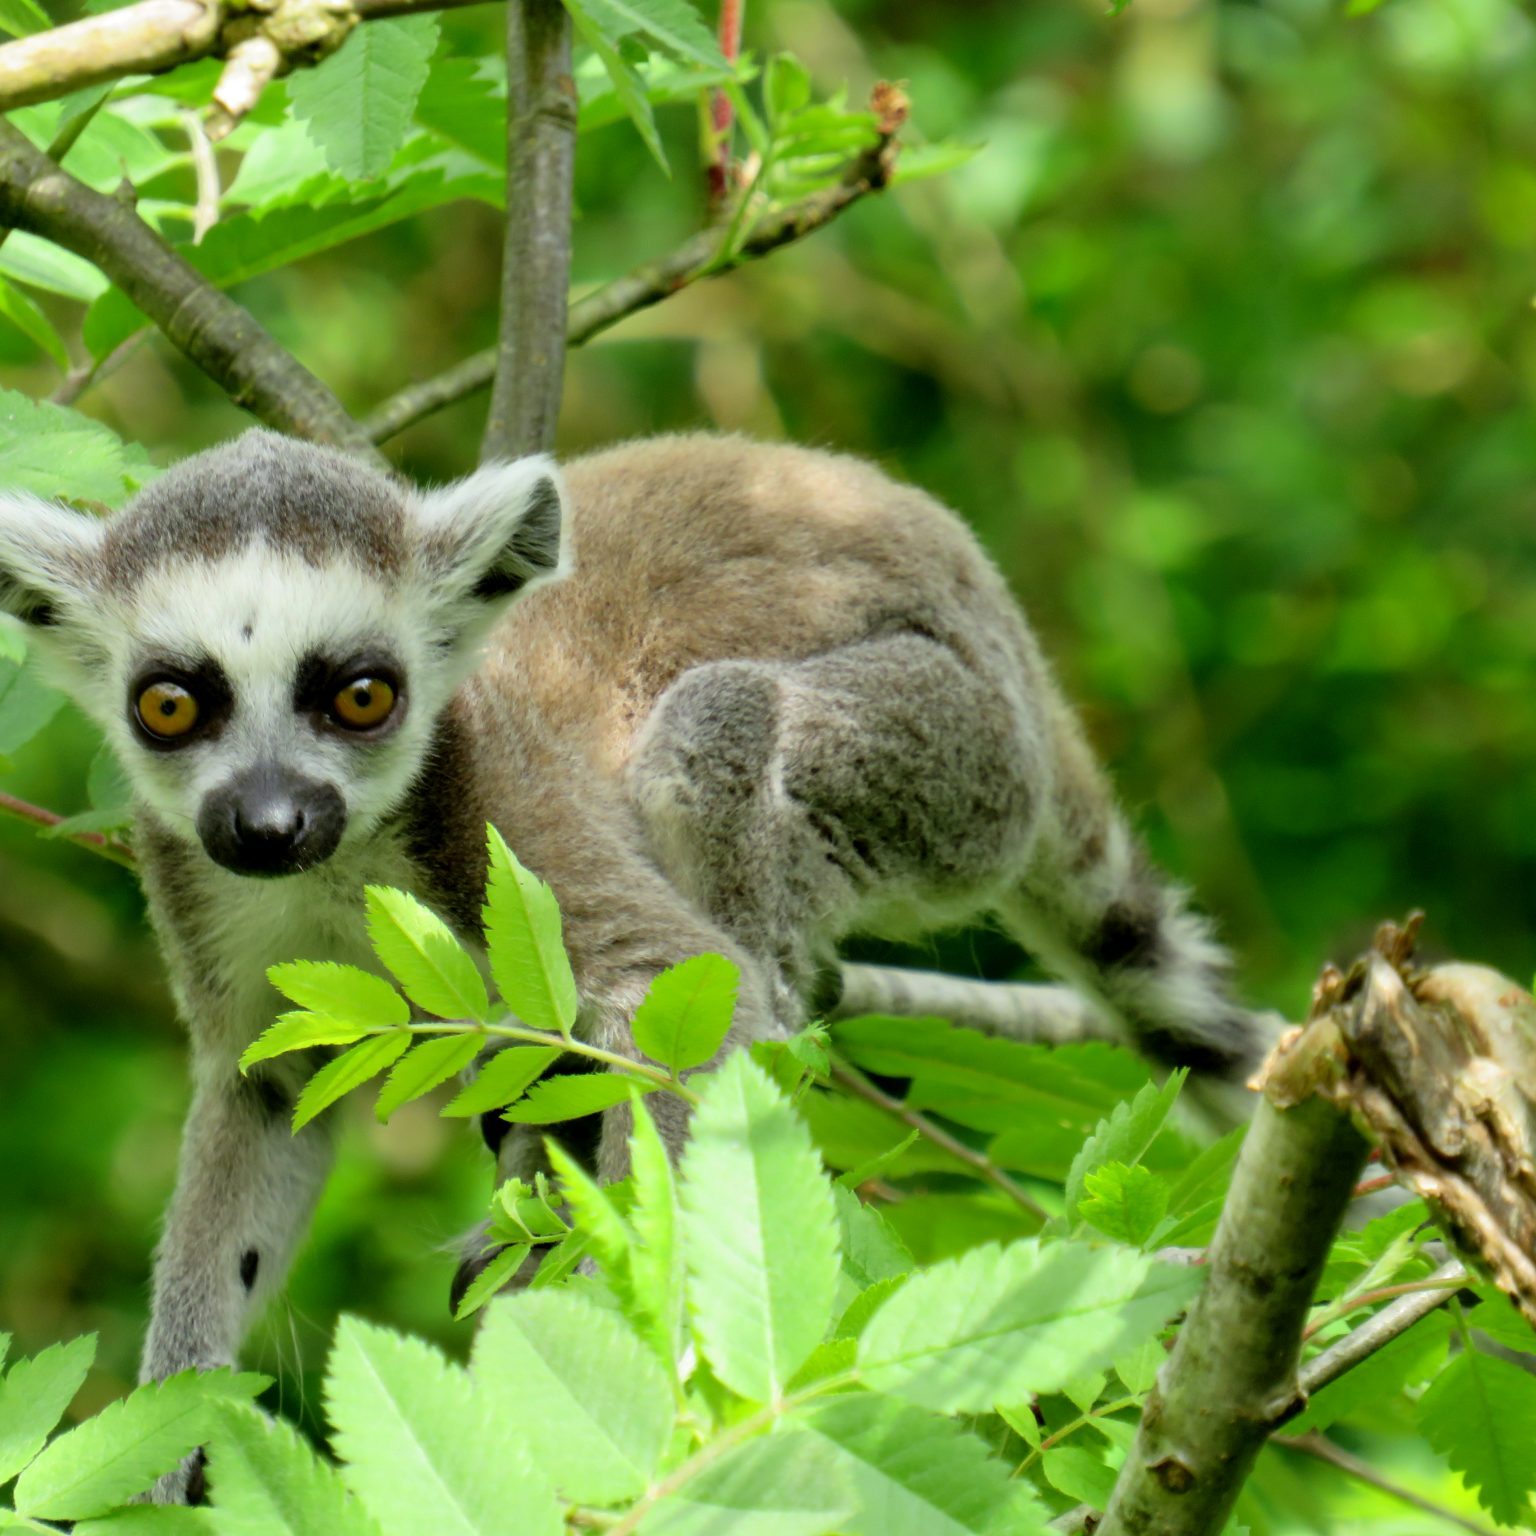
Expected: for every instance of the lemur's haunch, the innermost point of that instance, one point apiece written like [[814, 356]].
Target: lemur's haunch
[[721, 695]]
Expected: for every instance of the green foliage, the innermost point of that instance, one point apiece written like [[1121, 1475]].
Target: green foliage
[[522, 940], [687, 1011]]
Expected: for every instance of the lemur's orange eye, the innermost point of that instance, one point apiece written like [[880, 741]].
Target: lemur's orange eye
[[364, 703], [166, 709]]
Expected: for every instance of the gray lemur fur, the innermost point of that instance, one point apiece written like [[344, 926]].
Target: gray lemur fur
[[723, 696]]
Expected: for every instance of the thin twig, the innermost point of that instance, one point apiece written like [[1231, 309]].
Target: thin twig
[[536, 253], [1379, 1330], [861, 1087], [647, 285], [92, 842], [721, 112], [1430, 1283], [217, 334], [1326, 1450], [92, 371]]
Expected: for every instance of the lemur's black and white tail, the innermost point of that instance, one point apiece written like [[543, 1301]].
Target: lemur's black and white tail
[[1094, 910]]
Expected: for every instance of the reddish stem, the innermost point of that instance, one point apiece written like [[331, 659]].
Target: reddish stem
[[39, 817], [721, 112]]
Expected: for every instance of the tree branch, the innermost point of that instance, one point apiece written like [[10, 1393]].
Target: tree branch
[[695, 258], [536, 257], [157, 35], [92, 842], [216, 333]]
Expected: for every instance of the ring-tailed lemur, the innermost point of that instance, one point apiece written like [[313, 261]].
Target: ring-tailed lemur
[[722, 696]]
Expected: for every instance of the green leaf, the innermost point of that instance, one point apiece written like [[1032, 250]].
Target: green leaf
[[919, 161], [358, 103], [760, 1233], [34, 1395], [106, 784], [870, 1247], [297, 1032], [1125, 1203], [502, 1079], [594, 1212], [786, 87], [915, 1474], [522, 941], [127, 1446], [21, 18], [674, 24], [1124, 1135], [266, 1480], [491, 1279], [788, 1484], [466, 108], [1000, 1325], [686, 1014], [423, 1449], [340, 992], [1084, 1477], [150, 1520], [1480, 1414], [431, 1063], [13, 639], [572, 1095], [570, 1381], [627, 87], [24, 314], [350, 1070], [51, 450], [428, 961], [27, 704], [658, 1274]]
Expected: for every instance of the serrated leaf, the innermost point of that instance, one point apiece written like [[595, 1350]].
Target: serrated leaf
[[421, 951], [490, 1280], [593, 1211], [422, 1448], [1124, 1135], [350, 1070], [1079, 1473], [502, 1079], [914, 1473], [340, 992], [27, 704], [572, 1095], [431, 1063], [658, 1274], [1414, 1357], [674, 24], [759, 1231], [1480, 1414], [52, 450], [265, 1480], [790, 1484], [150, 1520], [575, 1385], [297, 1032], [127, 1446], [358, 103], [686, 1013], [786, 87], [33, 1397], [1000, 1325], [627, 88], [107, 786], [523, 943], [24, 314], [1123, 1202], [871, 1250]]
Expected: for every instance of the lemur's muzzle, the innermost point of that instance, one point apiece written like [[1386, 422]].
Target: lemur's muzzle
[[271, 820]]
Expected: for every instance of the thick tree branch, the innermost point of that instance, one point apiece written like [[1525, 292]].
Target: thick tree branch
[[536, 256], [260, 39], [216, 333], [695, 258]]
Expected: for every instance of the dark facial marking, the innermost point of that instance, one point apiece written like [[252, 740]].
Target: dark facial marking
[[247, 630], [203, 678], [320, 678], [533, 550], [250, 1262], [197, 1478]]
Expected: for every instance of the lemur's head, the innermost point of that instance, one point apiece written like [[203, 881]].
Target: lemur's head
[[268, 632]]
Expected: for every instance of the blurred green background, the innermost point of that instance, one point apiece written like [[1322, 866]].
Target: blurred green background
[[1224, 343]]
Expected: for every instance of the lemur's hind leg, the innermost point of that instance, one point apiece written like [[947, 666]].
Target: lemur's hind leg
[[788, 799]]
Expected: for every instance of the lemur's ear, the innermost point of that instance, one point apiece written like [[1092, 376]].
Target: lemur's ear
[[46, 555], [494, 533]]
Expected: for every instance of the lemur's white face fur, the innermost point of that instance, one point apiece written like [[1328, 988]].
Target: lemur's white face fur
[[268, 632]]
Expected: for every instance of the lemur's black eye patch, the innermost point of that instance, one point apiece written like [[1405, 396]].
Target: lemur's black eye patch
[[362, 695], [174, 703]]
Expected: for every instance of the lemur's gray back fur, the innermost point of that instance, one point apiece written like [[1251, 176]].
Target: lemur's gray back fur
[[778, 698]]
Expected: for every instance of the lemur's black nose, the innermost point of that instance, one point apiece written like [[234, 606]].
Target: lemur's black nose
[[271, 820]]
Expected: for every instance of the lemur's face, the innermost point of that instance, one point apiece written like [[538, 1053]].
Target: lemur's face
[[269, 632]]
